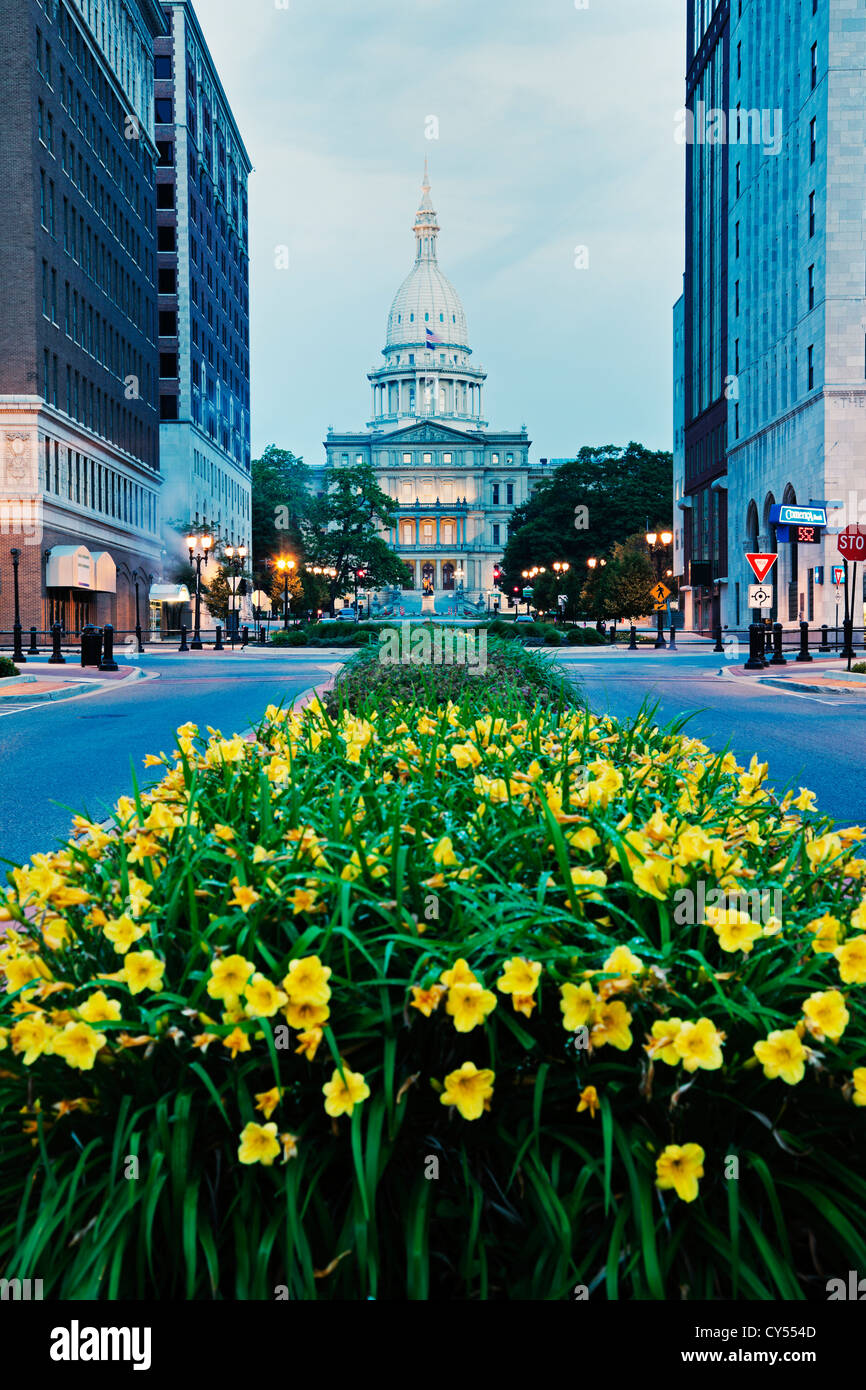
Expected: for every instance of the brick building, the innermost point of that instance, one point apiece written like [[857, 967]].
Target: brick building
[[79, 455]]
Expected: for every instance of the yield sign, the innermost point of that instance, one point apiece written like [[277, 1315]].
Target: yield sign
[[761, 565]]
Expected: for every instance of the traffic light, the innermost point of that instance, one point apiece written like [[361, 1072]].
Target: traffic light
[[497, 573]]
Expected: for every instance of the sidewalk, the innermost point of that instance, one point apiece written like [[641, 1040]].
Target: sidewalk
[[43, 682], [821, 674]]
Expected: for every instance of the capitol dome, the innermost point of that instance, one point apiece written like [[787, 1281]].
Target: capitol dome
[[426, 300]]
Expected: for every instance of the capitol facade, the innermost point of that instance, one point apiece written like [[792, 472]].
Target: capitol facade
[[455, 481]]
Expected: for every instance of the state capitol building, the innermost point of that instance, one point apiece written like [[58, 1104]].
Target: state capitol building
[[455, 481]]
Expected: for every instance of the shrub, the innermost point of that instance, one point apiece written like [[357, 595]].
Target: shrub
[[8, 667], [584, 637], [506, 630], [477, 913], [366, 682]]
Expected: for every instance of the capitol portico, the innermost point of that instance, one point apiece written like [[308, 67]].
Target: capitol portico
[[455, 481]]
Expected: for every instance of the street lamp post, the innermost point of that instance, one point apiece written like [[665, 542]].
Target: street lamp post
[[658, 543], [138, 622], [236, 556], [199, 548], [561, 568], [594, 563], [285, 568], [18, 651]]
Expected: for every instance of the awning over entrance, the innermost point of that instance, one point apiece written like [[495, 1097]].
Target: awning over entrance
[[74, 567], [169, 593], [70, 567], [105, 572]]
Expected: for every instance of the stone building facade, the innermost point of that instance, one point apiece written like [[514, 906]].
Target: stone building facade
[[775, 301], [454, 480], [203, 282]]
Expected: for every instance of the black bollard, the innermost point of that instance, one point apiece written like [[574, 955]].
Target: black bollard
[[108, 662], [825, 638], [184, 646], [632, 644], [672, 644], [245, 636], [138, 638], [261, 636], [719, 647], [56, 658], [613, 636], [756, 648], [778, 658], [804, 654], [848, 645], [33, 649], [218, 644]]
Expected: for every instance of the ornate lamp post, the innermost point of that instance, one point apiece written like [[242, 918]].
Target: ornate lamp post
[[18, 651], [138, 621], [594, 563], [199, 548], [285, 568], [658, 542], [561, 568], [236, 556]]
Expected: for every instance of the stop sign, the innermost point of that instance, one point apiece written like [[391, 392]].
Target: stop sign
[[852, 543]]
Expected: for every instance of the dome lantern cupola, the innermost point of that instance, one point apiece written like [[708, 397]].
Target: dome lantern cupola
[[427, 372]]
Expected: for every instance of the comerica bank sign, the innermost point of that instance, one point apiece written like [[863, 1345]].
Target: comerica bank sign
[[782, 515]]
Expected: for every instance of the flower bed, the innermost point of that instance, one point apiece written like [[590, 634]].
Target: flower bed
[[402, 1002]]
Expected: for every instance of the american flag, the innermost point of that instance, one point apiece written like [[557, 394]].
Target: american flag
[[432, 339]]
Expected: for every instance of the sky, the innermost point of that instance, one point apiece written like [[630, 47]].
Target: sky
[[553, 131]]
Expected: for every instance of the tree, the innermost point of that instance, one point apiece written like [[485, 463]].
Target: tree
[[631, 580], [621, 588], [595, 599], [341, 529], [217, 592], [280, 500], [586, 506]]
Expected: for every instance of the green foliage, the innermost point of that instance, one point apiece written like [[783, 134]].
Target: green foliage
[[8, 667], [621, 487], [341, 530], [368, 682], [390, 838], [280, 500]]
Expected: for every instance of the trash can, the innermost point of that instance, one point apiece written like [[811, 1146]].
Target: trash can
[[91, 645]]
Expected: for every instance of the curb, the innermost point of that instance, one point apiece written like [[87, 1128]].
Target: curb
[[307, 696], [827, 689], [72, 689], [43, 697]]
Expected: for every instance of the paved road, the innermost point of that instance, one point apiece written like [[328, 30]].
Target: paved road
[[75, 755], [817, 741]]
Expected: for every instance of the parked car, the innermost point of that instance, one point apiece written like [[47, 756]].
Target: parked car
[[524, 618], [346, 615]]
